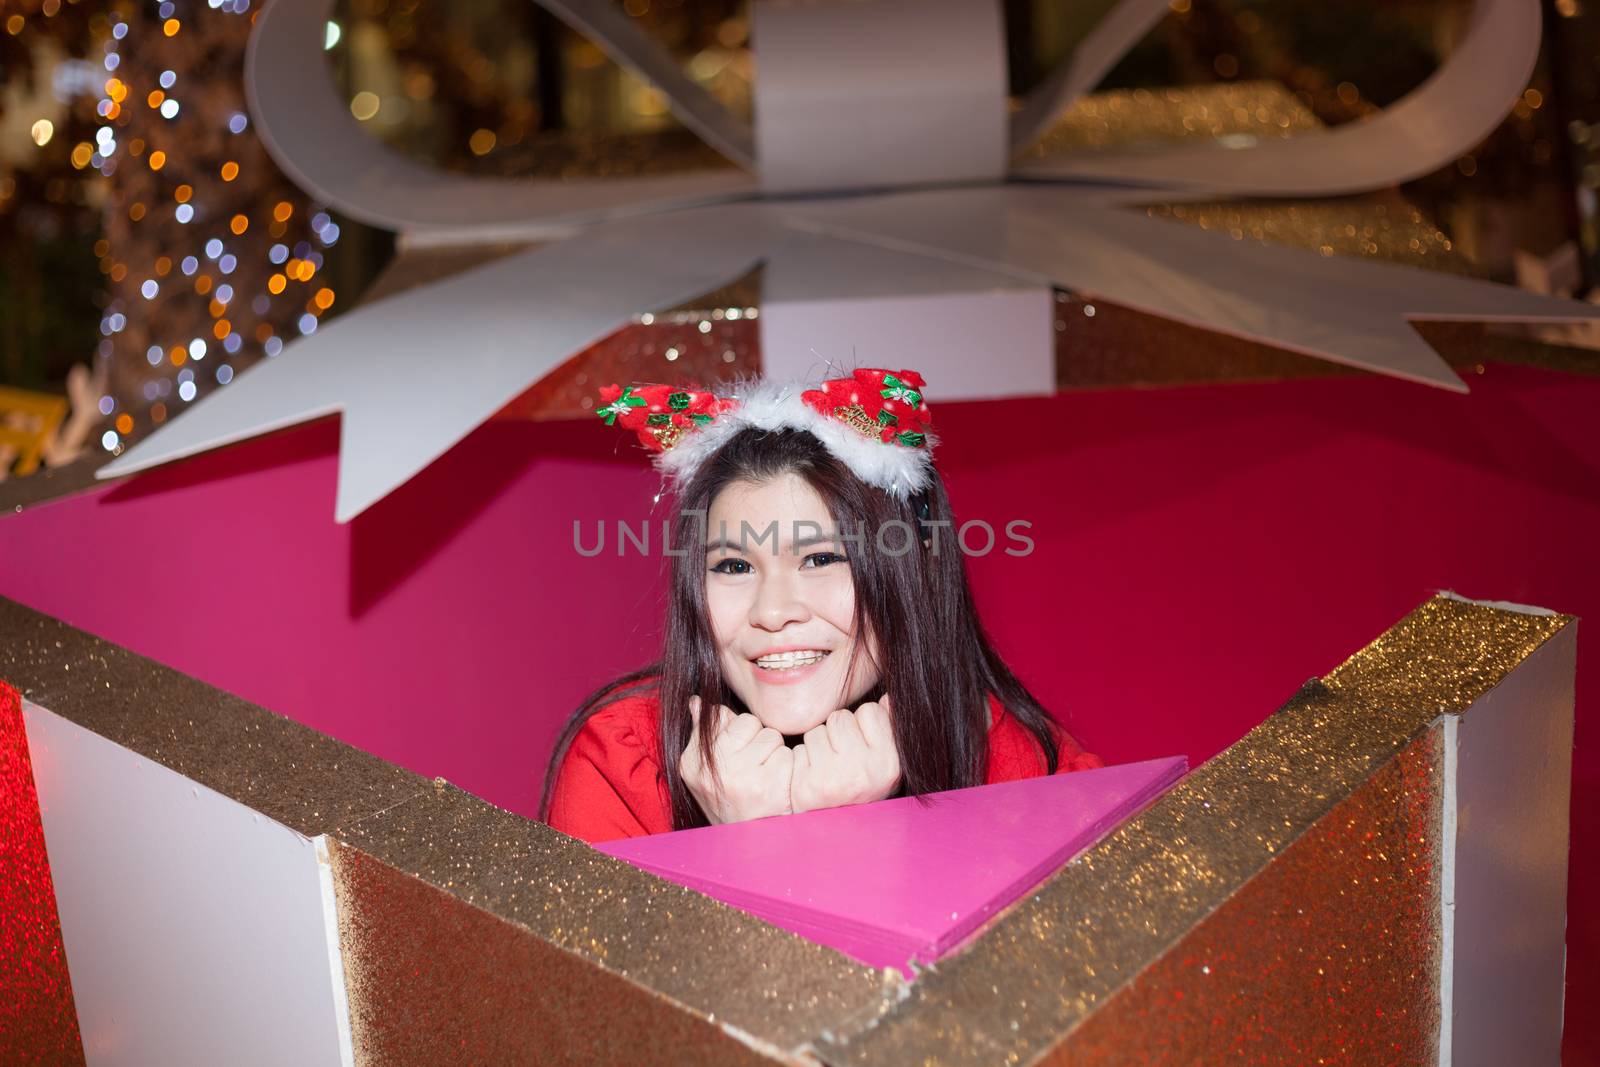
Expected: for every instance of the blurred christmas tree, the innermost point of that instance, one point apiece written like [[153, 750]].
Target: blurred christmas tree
[[212, 257], [140, 157]]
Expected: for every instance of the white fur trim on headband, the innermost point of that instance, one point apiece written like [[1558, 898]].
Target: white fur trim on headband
[[767, 405]]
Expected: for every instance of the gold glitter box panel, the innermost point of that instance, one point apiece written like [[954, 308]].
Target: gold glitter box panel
[[1377, 873]]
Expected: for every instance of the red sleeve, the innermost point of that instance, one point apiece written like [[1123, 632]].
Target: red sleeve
[[1015, 753], [610, 783], [1070, 755]]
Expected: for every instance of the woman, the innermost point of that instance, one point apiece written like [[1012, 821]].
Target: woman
[[821, 644]]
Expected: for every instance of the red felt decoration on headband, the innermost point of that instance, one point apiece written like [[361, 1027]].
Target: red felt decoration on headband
[[881, 405], [884, 404], [659, 414]]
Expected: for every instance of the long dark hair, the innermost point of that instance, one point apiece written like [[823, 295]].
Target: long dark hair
[[917, 602]]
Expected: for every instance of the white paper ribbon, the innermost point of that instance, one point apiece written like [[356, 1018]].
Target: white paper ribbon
[[863, 94], [308, 130], [1437, 123], [638, 244]]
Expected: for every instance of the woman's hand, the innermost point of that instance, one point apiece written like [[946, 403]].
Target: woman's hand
[[849, 759], [752, 762]]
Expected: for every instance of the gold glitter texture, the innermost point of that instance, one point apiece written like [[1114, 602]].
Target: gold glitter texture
[[1104, 345], [707, 341], [1449, 651], [667, 436], [431, 980], [440, 881], [290, 773], [1045, 965], [465, 927], [751, 986], [855, 417], [1380, 226], [1331, 955], [1123, 118], [568, 154], [1100, 344]]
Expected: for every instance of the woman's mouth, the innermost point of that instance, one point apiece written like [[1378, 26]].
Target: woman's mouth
[[791, 660], [789, 666]]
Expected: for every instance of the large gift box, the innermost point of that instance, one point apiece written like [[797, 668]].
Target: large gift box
[[1376, 873]]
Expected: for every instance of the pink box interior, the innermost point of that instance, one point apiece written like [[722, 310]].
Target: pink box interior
[[1200, 552]]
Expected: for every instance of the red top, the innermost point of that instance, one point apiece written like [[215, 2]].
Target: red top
[[611, 784]]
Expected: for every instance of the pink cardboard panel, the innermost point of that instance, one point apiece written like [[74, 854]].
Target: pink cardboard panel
[[908, 877]]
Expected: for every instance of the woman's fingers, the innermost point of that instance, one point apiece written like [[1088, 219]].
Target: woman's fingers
[[762, 745], [845, 733], [819, 742], [721, 719], [780, 763], [734, 732], [877, 729], [752, 771], [689, 761], [877, 726]]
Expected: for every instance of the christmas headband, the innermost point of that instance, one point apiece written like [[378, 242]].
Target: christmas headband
[[875, 422]]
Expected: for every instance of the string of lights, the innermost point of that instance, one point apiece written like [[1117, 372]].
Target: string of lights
[[212, 258]]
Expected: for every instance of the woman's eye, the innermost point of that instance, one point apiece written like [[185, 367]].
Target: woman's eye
[[731, 566], [822, 559]]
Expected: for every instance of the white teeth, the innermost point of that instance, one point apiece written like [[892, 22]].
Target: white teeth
[[783, 661]]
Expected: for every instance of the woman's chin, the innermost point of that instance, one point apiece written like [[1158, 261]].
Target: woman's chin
[[788, 719], [794, 709]]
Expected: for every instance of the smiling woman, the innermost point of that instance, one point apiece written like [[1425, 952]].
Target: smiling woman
[[783, 617], [821, 644]]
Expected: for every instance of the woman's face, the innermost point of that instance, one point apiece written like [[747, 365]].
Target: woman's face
[[782, 604]]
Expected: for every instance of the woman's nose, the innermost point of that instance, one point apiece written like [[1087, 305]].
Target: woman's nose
[[777, 603]]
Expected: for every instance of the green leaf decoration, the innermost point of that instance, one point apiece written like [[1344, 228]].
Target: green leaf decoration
[[899, 390], [888, 418], [910, 440], [701, 418], [658, 418], [620, 406], [678, 401]]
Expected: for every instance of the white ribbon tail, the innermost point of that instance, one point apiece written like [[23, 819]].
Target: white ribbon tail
[[309, 132], [618, 36], [1351, 311], [1112, 37], [1443, 119], [415, 373]]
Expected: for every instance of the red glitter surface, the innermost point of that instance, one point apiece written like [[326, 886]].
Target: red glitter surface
[[1329, 956], [38, 1020], [668, 352]]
